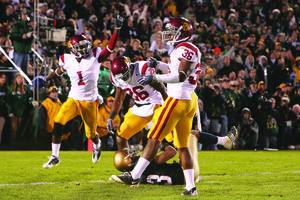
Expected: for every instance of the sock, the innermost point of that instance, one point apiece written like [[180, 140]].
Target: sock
[[189, 178], [207, 138], [221, 140], [140, 168], [55, 149]]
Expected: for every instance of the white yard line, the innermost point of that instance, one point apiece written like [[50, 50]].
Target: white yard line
[[52, 183], [106, 181]]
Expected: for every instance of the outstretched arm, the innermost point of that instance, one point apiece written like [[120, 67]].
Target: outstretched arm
[[113, 40], [55, 74]]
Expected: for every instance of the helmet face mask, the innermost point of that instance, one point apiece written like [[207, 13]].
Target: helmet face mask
[[178, 30], [120, 68], [80, 46]]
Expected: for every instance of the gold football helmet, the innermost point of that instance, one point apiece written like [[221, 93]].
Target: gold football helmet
[[123, 161]]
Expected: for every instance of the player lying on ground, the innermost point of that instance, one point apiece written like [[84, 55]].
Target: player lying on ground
[[82, 66], [160, 172]]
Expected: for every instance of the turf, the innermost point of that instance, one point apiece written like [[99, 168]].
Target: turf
[[224, 175]]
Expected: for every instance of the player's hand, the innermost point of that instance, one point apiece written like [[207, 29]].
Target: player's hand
[[118, 21], [152, 62], [145, 80], [100, 99], [110, 126], [11, 115]]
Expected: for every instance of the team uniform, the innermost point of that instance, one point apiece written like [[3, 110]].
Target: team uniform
[[180, 107], [83, 94], [146, 99], [163, 174]]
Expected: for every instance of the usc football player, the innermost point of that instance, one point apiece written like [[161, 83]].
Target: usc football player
[[82, 66]]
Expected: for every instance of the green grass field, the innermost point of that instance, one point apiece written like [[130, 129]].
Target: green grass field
[[224, 175]]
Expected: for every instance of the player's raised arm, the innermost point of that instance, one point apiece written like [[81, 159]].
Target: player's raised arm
[[113, 40]]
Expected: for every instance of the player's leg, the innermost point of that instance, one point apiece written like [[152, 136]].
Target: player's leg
[[164, 124], [67, 112], [88, 112], [130, 126], [193, 141], [165, 119], [181, 141], [228, 141]]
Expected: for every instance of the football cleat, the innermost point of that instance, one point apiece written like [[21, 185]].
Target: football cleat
[[53, 160], [231, 138], [127, 179], [97, 154], [191, 192]]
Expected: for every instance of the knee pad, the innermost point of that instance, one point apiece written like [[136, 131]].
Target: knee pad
[[57, 129]]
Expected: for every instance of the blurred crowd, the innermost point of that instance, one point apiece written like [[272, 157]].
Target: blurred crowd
[[250, 61]]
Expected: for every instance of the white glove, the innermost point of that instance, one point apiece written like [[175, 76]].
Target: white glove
[[35, 103], [11, 115], [29, 34], [100, 99], [109, 126]]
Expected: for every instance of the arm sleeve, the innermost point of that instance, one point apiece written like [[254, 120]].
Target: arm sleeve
[[229, 53], [15, 33], [163, 67], [143, 14], [126, 7], [109, 48]]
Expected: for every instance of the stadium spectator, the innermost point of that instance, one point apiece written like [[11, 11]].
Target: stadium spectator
[[248, 131], [3, 102], [48, 110], [8, 15], [132, 51], [22, 36], [232, 104], [103, 116], [268, 124], [294, 140], [105, 86], [19, 99]]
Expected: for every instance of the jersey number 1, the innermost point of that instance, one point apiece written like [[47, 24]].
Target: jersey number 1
[[80, 78]]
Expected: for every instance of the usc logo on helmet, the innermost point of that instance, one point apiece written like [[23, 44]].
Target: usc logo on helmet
[[185, 26]]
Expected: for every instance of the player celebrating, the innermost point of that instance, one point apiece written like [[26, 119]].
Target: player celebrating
[[179, 108], [83, 67], [124, 76]]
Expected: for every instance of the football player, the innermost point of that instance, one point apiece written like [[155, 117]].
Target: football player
[[160, 172], [124, 76], [178, 110], [82, 66]]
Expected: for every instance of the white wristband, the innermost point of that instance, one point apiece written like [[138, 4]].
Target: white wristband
[[168, 78], [57, 73]]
